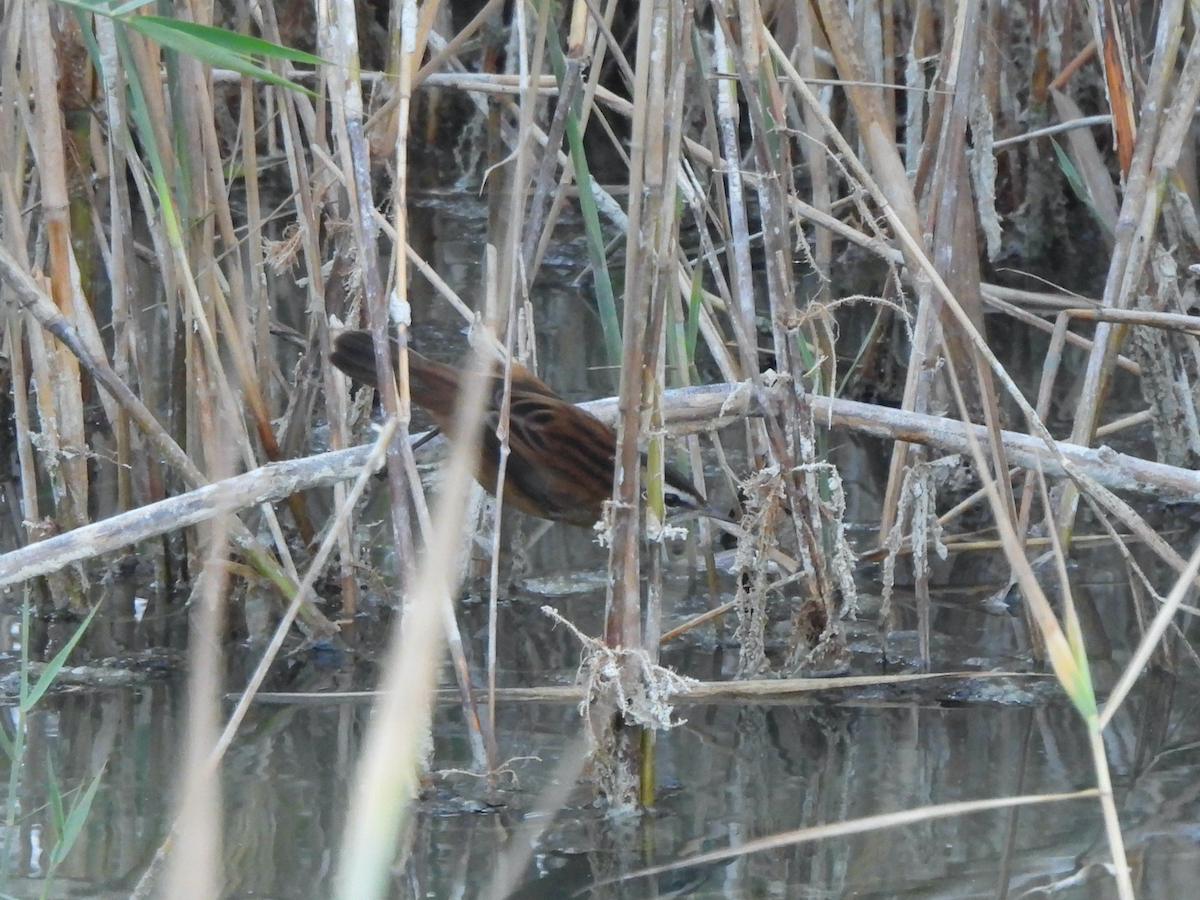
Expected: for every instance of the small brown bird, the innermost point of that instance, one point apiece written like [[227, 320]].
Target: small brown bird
[[561, 458]]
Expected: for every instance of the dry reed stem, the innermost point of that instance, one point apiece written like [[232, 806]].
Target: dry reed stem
[[916, 511], [955, 250], [773, 691], [506, 280], [59, 395], [120, 264], [1125, 269], [194, 868], [618, 742], [209, 766], [1075, 340], [1063, 644], [1164, 320], [396, 742], [1133, 420], [854, 826], [452, 46], [666, 301], [30, 506], [537, 223], [11, 179], [710, 406], [339, 33], [30, 297], [1050, 366], [812, 147], [686, 411], [491, 303], [664, 160]]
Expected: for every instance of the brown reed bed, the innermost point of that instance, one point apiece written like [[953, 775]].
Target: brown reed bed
[[765, 149]]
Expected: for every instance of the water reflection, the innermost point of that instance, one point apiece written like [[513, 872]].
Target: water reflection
[[731, 773]]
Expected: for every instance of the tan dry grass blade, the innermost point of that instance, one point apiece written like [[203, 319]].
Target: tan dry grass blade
[[194, 867], [1066, 653], [149, 878], [524, 840], [856, 826], [387, 773]]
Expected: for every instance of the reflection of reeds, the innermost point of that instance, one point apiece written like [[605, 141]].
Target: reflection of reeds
[[760, 135]]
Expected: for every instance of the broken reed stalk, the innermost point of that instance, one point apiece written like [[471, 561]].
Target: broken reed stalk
[[59, 396], [686, 411], [742, 316]]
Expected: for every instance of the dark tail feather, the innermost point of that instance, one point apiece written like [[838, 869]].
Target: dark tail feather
[[354, 353]]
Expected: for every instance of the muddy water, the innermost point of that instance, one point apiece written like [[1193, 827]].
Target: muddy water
[[729, 773]]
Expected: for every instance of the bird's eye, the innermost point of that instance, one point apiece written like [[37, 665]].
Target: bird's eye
[[678, 500]]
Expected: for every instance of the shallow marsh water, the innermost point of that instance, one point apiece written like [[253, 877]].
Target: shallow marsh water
[[730, 772]]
